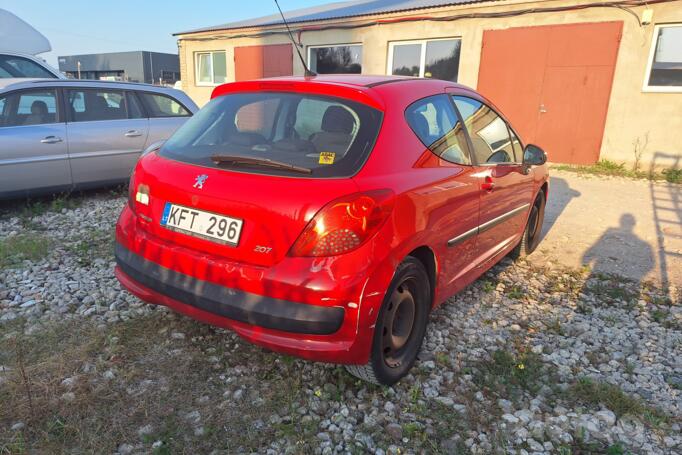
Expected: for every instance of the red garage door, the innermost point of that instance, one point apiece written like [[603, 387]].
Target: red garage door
[[554, 83], [255, 62]]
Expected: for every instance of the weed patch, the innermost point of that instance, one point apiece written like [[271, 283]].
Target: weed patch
[[510, 374], [18, 248], [96, 244], [594, 394], [611, 168]]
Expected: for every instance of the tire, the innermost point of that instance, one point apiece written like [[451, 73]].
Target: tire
[[400, 326], [533, 230]]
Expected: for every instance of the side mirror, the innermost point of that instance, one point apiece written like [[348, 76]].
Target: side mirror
[[534, 155]]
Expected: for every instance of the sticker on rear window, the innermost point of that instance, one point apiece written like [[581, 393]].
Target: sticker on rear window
[[327, 157]]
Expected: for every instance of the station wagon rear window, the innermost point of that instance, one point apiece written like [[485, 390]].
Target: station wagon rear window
[[264, 132]]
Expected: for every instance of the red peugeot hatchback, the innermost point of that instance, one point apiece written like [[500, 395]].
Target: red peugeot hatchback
[[326, 216]]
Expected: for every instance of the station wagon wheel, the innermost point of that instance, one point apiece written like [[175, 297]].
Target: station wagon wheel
[[533, 231], [400, 326]]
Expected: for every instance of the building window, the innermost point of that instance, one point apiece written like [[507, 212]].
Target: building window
[[211, 68], [340, 59], [664, 70], [438, 59]]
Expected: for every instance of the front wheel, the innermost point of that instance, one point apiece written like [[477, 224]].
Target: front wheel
[[400, 327], [531, 234]]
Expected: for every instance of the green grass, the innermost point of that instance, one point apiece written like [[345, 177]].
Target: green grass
[[96, 244], [515, 292], [555, 326], [488, 286], [611, 168], [508, 374], [57, 204], [105, 413], [610, 288], [594, 394], [18, 248], [659, 315], [673, 175]]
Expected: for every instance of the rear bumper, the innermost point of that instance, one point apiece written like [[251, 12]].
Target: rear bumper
[[319, 309], [234, 304]]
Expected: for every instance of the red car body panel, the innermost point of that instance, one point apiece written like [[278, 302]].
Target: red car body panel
[[435, 201]]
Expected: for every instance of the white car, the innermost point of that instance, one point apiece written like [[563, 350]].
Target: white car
[[19, 45], [16, 65]]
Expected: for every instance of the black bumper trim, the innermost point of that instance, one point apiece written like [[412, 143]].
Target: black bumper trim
[[234, 304]]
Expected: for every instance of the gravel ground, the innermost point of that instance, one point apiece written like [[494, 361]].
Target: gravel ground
[[529, 359]]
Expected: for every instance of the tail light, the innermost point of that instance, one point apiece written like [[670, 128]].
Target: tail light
[[137, 193], [344, 224]]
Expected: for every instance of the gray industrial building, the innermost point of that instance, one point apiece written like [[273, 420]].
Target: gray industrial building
[[135, 66]]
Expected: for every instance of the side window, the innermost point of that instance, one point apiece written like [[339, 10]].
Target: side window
[[36, 107], [436, 124], [163, 106], [488, 132], [134, 107], [516, 143], [93, 105]]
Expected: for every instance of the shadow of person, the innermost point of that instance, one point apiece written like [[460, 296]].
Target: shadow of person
[[560, 195], [620, 251]]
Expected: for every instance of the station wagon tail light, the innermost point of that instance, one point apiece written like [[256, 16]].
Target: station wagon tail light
[[344, 224]]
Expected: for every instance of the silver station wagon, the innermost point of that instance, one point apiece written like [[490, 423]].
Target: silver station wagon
[[58, 135]]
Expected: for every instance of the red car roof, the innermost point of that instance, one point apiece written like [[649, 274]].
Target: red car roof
[[359, 88]]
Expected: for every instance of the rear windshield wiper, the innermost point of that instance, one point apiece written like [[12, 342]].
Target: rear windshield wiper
[[252, 161]]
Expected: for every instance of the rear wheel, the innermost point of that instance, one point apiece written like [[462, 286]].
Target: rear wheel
[[400, 327], [531, 234]]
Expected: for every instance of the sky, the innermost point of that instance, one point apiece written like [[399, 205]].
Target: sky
[[95, 26]]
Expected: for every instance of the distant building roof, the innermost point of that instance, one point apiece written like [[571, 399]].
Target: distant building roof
[[336, 10]]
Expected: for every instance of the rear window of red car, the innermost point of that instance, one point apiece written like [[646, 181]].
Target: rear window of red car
[[330, 137]]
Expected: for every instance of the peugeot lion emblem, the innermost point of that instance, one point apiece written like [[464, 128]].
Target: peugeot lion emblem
[[199, 183]]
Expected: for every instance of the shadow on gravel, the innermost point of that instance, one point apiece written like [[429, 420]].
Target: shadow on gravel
[[667, 207], [560, 195], [602, 255]]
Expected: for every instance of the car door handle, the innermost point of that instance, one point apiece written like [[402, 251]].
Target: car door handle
[[133, 133], [51, 140], [488, 184]]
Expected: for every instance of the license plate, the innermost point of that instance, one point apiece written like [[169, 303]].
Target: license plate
[[202, 224]]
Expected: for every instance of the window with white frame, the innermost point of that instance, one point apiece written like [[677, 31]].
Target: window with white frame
[[337, 59], [664, 70], [211, 68], [438, 58]]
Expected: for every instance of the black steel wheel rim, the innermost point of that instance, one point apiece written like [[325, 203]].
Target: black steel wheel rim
[[533, 222], [399, 323]]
